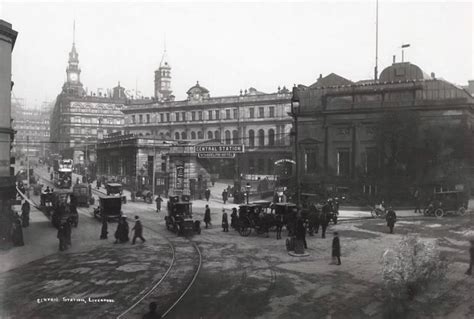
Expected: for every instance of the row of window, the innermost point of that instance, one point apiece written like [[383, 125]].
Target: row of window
[[104, 120], [202, 115]]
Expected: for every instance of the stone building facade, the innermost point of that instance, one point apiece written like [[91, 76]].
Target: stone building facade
[[78, 119], [339, 122]]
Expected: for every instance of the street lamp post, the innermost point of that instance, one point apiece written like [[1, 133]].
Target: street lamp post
[[247, 188], [295, 101]]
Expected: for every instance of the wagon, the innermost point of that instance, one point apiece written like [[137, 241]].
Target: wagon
[[62, 209], [252, 216], [180, 216], [82, 195], [110, 207], [115, 189], [448, 202]]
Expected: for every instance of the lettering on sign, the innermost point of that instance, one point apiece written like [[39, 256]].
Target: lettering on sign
[[216, 155], [219, 148]]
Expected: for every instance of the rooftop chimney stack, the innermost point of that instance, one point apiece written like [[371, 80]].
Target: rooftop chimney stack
[[433, 75], [394, 56]]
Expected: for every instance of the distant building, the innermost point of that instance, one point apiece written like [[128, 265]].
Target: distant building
[[32, 129], [78, 119], [345, 142]]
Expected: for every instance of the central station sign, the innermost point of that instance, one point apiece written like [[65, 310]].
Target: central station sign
[[216, 155], [219, 148]]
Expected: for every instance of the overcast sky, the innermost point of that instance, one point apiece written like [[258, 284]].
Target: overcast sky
[[232, 46]]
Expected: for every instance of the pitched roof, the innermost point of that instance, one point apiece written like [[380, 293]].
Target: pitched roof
[[331, 79]]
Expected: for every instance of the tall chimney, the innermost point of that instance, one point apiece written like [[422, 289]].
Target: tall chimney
[[394, 58]]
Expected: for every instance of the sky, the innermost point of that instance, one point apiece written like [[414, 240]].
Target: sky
[[229, 46]]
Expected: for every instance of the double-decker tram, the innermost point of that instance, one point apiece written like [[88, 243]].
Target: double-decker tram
[[62, 174]]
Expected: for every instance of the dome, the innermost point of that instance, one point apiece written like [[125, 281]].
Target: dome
[[197, 92], [404, 71]]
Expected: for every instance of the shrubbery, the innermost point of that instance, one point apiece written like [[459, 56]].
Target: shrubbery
[[408, 269]]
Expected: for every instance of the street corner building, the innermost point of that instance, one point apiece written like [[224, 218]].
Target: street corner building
[[384, 137]]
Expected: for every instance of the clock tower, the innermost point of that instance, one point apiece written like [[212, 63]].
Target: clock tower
[[163, 90], [73, 85]]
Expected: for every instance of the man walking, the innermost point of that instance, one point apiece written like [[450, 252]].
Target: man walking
[[207, 216], [25, 214], [391, 219], [207, 193], [324, 218], [138, 230], [224, 196], [62, 236], [471, 253], [416, 196], [103, 231], [158, 201], [225, 221], [336, 249]]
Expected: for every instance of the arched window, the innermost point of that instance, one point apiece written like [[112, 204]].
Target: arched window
[[217, 135], [271, 137], [235, 137], [184, 135], [176, 136], [200, 135], [209, 135], [227, 137], [193, 135], [261, 137], [251, 138]]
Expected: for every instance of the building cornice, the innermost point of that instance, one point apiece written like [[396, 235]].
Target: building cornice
[[7, 31]]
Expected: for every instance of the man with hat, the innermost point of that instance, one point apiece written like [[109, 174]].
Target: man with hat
[[138, 230], [336, 248]]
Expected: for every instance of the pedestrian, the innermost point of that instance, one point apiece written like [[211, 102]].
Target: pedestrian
[[225, 196], [152, 314], [121, 234], [300, 232], [207, 216], [391, 218], [103, 231], [25, 214], [336, 249], [62, 236], [207, 193], [225, 221], [279, 221], [471, 253], [416, 196], [158, 201], [138, 230], [233, 218], [324, 218], [68, 231], [17, 231], [97, 184]]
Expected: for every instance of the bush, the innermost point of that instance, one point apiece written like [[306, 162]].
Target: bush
[[408, 269]]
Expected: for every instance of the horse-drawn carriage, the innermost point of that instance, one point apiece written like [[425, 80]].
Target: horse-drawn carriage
[[255, 216], [180, 216]]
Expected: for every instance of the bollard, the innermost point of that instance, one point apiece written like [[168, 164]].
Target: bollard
[[299, 246]]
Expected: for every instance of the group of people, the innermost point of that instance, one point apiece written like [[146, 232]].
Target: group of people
[[123, 229]]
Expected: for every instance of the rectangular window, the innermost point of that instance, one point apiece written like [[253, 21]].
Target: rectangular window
[[252, 113], [193, 116], [133, 119], [183, 116], [227, 114], [148, 118], [94, 131], [140, 119], [176, 116], [261, 112], [310, 161], [343, 162], [162, 117], [200, 115], [236, 113], [217, 114], [168, 117], [210, 115], [272, 111]]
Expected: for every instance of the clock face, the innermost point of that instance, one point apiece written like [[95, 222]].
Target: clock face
[[73, 76]]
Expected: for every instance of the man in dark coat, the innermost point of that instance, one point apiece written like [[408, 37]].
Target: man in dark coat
[[103, 231], [471, 261], [336, 248], [416, 196], [233, 218], [324, 218], [152, 314], [225, 221], [68, 231], [207, 216], [62, 236], [25, 213], [158, 201], [300, 231], [121, 234], [391, 219], [17, 231], [224, 196], [138, 230], [207, 194]]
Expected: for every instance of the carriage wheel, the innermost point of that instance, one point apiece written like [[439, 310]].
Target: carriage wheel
[[427, 212], [462, 211], [439, 212]]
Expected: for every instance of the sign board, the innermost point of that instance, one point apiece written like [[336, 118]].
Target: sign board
[[219, 148], [285, 160], [180, 176], [216, 155]]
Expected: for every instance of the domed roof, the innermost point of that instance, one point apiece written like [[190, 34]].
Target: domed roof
[[404, 71], [197, 89]]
